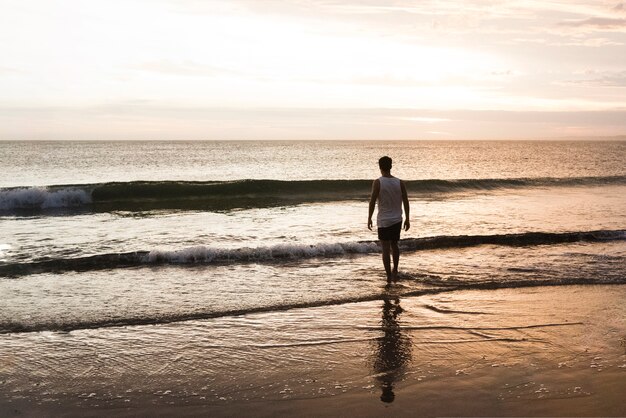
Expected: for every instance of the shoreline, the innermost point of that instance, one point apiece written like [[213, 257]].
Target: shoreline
[[531, 351]]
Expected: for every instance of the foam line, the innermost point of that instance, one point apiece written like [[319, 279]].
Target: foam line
[[277, 253]]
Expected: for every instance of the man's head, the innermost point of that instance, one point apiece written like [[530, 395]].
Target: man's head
[[387, 396], [385, 163]]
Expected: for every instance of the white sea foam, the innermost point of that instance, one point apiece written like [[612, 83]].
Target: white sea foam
[[42, 198], [4, 248], [202, 254]]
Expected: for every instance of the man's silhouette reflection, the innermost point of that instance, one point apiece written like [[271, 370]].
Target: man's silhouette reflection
[[393, 349]]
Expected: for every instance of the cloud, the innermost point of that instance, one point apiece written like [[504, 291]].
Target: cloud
[[600, 23], [603, 79], [153, 120], [184, 68], [438, 133], [10, 70], [590, 42], [569, 41], [422, 119]]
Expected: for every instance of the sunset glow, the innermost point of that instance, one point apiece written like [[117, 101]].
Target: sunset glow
[[340, 69]]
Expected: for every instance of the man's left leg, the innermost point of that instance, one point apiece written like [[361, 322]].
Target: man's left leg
[[386, 257]]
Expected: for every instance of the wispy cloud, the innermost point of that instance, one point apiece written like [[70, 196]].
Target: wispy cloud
[[601, 23], [184, 68], [439, 133], [602, 78], [152, 120], [423, 119], [620, 8], [585, 41], [10, 70]]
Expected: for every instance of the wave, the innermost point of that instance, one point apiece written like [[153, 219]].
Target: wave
[[8, 327], [42, 198], [209, 255], [224, 195], [15, 327]]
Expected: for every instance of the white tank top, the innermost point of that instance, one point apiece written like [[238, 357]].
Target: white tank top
[[389, 202]]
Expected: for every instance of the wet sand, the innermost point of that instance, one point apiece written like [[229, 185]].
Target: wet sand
[[538, 351]]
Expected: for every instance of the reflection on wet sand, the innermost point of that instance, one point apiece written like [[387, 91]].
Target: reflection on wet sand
[[393, 349]]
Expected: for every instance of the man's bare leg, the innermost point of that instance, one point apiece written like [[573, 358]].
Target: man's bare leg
[[396, 258], [386, 245]]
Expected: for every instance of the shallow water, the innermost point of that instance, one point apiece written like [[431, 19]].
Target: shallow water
[[162, 294], [509, 344]]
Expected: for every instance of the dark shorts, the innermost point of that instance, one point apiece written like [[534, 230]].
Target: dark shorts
[[390, 233]]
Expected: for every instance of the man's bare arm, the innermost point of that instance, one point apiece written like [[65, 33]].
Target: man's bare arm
[[373, 198], [407, 209]]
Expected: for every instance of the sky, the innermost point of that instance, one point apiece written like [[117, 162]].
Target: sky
[[311, 69]]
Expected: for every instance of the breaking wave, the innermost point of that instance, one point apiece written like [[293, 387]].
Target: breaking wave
[[43, 198], [277, 253], [224, 195]]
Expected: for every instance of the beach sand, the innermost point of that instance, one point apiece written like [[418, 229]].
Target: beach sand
[[537, 351]]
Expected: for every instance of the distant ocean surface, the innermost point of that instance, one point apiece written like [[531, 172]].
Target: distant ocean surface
[[100, 234]]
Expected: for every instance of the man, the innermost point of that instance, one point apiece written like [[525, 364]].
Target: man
[[391, 195]]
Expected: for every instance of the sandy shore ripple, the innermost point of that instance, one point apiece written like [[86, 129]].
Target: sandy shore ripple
[[549, 351]]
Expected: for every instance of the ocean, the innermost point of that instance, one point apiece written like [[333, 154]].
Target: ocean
[[104, 236], [112, 233]]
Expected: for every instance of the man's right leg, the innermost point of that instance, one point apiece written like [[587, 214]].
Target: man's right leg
[[386, 245], [395, 253]]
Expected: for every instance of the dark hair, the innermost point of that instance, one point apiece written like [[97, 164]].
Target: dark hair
[[385, 163]]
